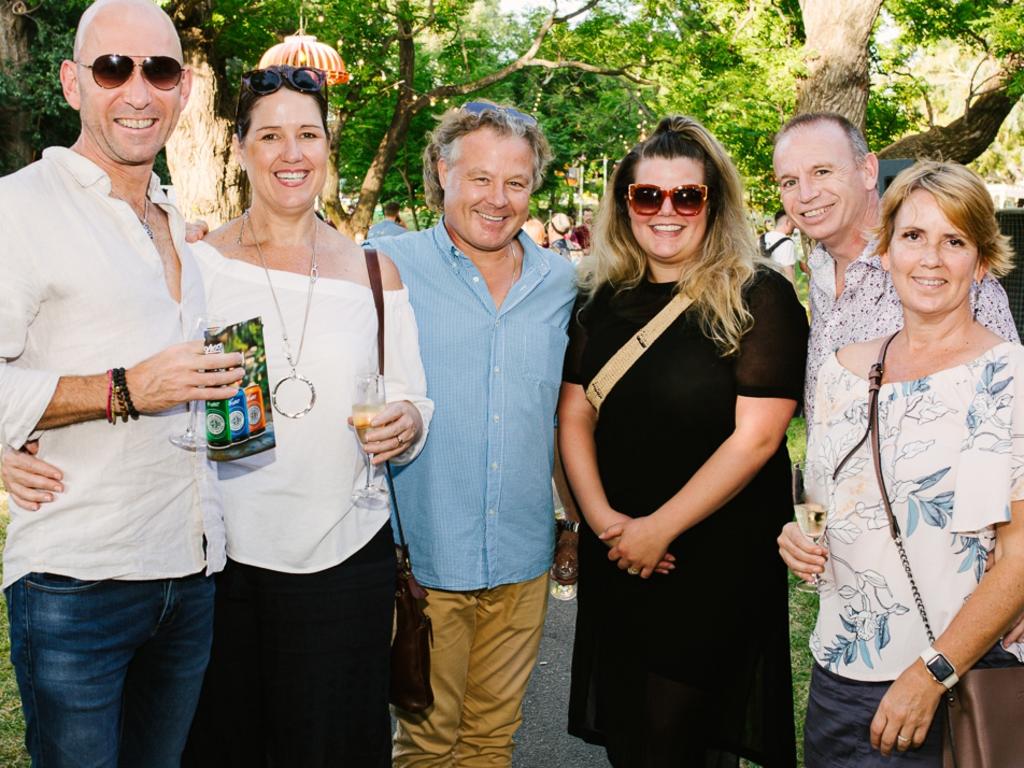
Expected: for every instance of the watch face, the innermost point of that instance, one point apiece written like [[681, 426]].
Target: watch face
[[941, 668]]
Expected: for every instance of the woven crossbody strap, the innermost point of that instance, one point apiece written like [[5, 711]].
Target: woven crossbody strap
[[632, 350]]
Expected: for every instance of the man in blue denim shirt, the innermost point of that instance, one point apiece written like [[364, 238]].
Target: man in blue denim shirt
[[492, 309]]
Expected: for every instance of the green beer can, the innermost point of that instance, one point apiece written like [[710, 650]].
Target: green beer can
[[218, 429]]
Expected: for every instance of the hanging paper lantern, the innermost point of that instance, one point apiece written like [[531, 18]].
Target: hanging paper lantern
[[301, 50]]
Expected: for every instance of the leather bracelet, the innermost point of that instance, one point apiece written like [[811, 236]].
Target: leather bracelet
[[110, 397]]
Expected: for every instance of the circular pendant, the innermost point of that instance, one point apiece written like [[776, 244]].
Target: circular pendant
[[289, 401]]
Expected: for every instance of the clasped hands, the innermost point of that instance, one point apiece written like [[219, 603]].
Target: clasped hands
[[639, 544]]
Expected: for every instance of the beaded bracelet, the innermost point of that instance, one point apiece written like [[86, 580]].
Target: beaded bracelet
[[124, 398]]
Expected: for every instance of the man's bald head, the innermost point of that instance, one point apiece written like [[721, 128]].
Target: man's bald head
[[102, 12]]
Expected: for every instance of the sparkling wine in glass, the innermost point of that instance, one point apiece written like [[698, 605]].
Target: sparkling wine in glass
[[811, 515], [369, 400], [190, 439]]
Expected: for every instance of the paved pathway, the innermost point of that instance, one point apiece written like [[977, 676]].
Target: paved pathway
[[542, 741]]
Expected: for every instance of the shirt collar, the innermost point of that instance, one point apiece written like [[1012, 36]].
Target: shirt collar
[[867, 257], [534, 257], [87, 174]]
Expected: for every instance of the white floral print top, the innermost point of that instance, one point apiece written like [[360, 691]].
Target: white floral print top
[[952, 447]]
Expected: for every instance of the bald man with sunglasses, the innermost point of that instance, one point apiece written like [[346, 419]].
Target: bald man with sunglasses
[[108, 586]]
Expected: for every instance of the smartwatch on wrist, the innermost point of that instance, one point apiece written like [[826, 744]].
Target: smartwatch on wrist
[[569, 525], [940, 668]]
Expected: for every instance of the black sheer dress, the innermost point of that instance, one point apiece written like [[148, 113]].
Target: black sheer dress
[[689, 669]]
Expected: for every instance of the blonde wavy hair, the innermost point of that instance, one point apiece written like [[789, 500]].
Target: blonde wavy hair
[[962, 198], [443, 143], [728, 256]]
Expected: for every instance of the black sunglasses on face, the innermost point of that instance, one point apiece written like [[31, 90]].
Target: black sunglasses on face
[[112, 70], [479, 107], [267, 81], [687, 199]]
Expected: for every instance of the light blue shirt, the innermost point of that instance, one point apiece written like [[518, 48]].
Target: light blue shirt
[[476, 504], [385, 228]]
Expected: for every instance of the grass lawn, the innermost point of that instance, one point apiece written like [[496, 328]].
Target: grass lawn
[[12, 727], [802, 611]]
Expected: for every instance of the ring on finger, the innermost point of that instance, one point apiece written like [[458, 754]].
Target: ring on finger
[[399, 438], [902, 739], [633, 571]]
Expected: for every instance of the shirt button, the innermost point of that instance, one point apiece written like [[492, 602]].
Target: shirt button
[[490, 511], [497, 369], [494, 465], [497, 417], [476, 279]]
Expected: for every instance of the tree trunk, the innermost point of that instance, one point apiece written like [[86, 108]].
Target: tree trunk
[[836, 56], [963, 139], [15, 149], [373, 181], [208, 183]]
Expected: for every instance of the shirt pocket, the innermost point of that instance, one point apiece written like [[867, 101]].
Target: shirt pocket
[[542, 350]]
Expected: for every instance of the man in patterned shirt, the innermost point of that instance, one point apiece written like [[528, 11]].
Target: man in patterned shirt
[[827, 182]]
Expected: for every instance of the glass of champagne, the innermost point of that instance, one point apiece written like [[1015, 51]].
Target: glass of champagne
[[369, 400], [811, 515], [190, 439]]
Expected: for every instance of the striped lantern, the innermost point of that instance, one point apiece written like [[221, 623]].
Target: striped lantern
[[302, 50]]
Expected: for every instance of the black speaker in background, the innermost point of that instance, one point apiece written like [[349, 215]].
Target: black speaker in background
[[889, 170], [1011, 223]]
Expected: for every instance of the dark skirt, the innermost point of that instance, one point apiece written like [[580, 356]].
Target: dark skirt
[[298, 674], [837, 731]]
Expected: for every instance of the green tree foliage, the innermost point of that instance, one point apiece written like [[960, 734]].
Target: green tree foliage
[[34, 88], [733, 64]]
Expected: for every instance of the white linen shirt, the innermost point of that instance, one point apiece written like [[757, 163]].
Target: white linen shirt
[[290, 508], [84, 291]]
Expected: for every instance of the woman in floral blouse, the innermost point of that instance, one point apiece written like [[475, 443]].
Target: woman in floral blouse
[[951, 426]]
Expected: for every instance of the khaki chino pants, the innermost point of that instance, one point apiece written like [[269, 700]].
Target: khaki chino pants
[[485, 647]]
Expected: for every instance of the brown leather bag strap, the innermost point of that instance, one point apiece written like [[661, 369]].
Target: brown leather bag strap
[[377, 287], [874, 384]]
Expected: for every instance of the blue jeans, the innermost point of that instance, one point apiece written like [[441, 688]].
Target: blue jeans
[[109, 671]]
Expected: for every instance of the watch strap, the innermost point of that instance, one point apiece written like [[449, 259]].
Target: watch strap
[[930, 656]]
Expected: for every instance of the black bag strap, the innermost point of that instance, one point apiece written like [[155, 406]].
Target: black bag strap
[[377, 288], [775, 245]]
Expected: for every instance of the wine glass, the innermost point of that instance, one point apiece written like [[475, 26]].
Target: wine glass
[[811, 515], [191, 440], [369, 400]]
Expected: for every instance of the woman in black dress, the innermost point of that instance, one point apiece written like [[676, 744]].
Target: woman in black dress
[[681, 655]]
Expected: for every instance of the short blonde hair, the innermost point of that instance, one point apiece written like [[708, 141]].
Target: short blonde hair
[[726, 263], [458, 122], [962, 198]]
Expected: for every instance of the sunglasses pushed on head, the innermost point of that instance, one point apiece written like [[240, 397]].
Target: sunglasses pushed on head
[[264, 82]]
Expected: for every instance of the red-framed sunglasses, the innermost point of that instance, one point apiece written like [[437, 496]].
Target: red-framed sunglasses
[[687, 199]]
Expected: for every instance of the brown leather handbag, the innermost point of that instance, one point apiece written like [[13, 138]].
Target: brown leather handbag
[[986, 708], [410, 648]]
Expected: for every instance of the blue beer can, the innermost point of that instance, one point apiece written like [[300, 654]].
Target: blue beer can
[[238, 416]]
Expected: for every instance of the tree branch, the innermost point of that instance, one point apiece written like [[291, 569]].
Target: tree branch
[[963, 139]]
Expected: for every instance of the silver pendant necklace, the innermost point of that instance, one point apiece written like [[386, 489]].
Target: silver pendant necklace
[[145, 219], [294, 376]]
